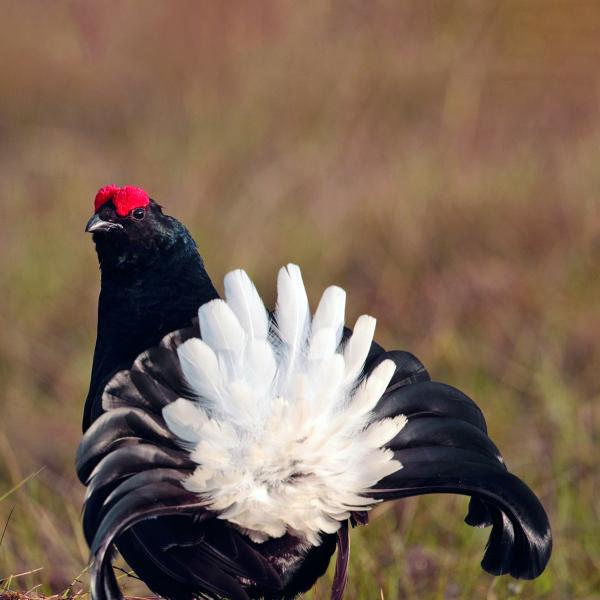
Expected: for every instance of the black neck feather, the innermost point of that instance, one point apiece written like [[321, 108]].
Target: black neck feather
[[139, 304]]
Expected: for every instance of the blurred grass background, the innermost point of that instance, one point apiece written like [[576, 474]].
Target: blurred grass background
[[438, 159]]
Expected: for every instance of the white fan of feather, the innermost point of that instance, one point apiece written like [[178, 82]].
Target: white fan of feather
[[282, 429]]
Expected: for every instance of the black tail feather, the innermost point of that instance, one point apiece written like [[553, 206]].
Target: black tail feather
[[161, 365], [113, 427], [444, 448], [101, 498], [127, 509], [445, 432], [430, 398], [207, 574], [236, 556], [520, 541], [409, 369]]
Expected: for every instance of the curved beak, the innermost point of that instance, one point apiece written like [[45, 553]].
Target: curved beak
[[96, 225]]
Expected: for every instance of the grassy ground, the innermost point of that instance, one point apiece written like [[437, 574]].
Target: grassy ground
[[437, 159]]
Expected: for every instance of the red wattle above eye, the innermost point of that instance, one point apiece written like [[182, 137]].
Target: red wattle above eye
[[125, 199], [104, 195]]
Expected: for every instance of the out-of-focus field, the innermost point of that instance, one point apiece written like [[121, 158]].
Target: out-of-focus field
[[438, 159]]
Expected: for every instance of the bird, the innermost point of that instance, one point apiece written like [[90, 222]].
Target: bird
[[228, 449]]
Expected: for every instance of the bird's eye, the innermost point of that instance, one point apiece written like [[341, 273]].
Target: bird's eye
[[138, 213]]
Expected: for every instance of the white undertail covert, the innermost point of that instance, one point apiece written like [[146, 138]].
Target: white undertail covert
[[281, 428]]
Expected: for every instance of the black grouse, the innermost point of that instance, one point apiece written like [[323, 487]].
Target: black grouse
[[228, 450]]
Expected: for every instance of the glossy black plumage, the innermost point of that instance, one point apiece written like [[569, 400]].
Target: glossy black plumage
[[443, 448], [134, 467], [152, 282]]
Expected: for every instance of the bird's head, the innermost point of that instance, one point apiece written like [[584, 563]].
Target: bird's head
[[128, 227]]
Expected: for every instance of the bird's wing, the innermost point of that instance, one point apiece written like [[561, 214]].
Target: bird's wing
[[444, 448]]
